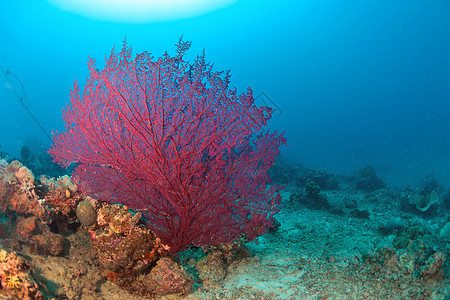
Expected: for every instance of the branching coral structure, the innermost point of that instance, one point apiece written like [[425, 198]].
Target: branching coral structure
[[173, 140]]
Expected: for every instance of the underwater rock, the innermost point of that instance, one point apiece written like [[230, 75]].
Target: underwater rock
[[47, 199], [22, 204], [360, 213], [73, 275], [212, 269], [433, 266], [127, 251], [415, 258], [275, 226], [66, 184], [444, 234], [393, 226], [283, 172], [429, 184], [446, 200], [401, 242], [350, 202], [310, 197], [86, 213], [24, 174], [324, 180], [124, 253], [117, 218], [414, 229], [368, 180], [47, 243], [403, 231], [165, 278], [234, 252], [6, 227], [123, 246], [168, 277], [312, 190], [26, 155], [425, 200], [25, 228], [336, 203]]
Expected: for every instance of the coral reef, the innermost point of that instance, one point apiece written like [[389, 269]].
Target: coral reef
[[21, 193], [42, 210], [18, 190], [110, 239], [15, 278]]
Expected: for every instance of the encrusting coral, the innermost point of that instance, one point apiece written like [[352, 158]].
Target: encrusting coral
[[15, 279]]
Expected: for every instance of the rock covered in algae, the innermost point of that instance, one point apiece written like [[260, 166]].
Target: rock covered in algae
[[86, 213], [25, 228], [47, 243], [168, 277], [124, 246]]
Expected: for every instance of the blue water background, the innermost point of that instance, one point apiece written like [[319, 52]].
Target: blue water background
[[354, 82]]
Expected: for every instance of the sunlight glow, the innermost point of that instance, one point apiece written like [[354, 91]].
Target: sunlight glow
[[140, 11]]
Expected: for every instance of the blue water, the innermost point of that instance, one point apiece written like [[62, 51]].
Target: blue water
[[353, 82]]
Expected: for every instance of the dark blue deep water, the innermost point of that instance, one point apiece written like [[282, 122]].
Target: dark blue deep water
[[354, 83]]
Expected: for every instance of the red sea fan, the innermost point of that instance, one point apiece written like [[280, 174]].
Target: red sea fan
[[173, 140]]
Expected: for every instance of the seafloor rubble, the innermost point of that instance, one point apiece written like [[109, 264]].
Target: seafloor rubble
[[336, 238]]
